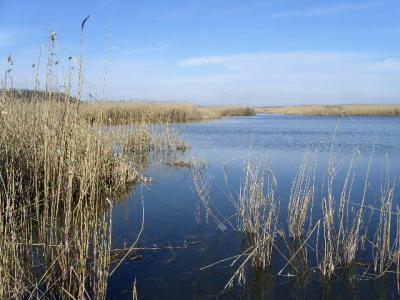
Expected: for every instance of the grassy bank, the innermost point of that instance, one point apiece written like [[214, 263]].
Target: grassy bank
[[335, 110]]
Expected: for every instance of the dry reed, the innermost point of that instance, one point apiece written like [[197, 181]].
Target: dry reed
[[58, 175], [343, 223], [336, 110], [145, 112], [257, 212], [302, 196]]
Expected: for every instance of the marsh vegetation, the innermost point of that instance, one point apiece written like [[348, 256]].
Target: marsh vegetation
[[66, 163], [63, 165], [336, 110], [334, 234]]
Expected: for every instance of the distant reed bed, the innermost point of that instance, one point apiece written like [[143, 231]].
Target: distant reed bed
[[141, 112], [336, 110], [145, 112], [216, 112]]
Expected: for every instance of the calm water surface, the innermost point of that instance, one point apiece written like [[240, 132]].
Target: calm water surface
[[170, 206]]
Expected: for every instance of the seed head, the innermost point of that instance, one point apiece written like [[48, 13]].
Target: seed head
[[53, 35]]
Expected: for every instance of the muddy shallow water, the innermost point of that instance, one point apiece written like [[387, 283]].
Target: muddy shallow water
[[182, 241]]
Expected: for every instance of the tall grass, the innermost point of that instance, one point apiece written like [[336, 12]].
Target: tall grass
[[385, 251], [216, 112], [256, 215], [258, 212], [302, 196], [60, 173], [125, 113], [142, 112], [58, 176], [340, 237], [61, 169]]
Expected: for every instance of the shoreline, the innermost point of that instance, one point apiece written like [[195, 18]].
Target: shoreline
[[335, 110]]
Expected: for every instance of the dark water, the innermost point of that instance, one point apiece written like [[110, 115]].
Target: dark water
[[170, 206]]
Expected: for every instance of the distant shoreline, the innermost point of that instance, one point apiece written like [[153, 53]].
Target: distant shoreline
[[335, 110]]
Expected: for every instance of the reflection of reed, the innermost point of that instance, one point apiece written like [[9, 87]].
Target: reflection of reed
[[337, 242], [202, 185]]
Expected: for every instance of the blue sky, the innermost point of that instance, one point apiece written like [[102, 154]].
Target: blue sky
[[275, 52]]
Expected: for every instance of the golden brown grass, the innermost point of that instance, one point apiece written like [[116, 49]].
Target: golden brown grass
[[216, 112], [124, 113], [336, 110], [61, 170], [302, 197], [58, 175], [141, 112], [257, 212]]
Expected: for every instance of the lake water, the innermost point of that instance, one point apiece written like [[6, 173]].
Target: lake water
[[171, 218]]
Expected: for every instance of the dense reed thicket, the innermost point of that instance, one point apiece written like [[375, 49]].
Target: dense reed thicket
[[125, 113], [58, 177], [63, 162], [216, 112], [140, 112]]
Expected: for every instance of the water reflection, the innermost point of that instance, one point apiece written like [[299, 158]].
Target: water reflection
[[170, 204]]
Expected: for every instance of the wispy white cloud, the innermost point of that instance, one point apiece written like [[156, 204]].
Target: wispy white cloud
[[265, 78], [322, 11], [278, 78]]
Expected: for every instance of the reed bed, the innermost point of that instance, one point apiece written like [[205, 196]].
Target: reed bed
[[336, 110], [156, 138], [145, 112], [58, 177], [139, 112], [60, 172], [216, 112]]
